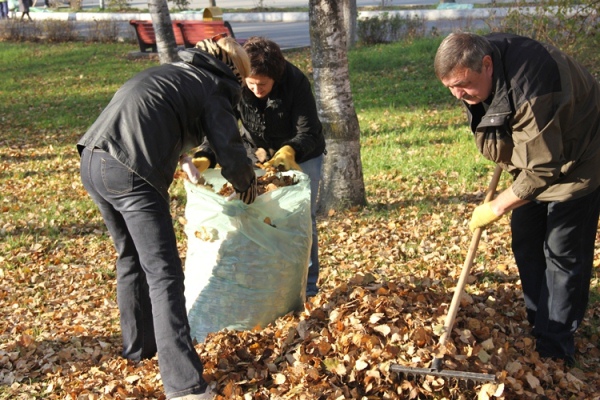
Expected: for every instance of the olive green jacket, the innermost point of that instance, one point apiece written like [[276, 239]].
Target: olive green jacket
[[543, 120]]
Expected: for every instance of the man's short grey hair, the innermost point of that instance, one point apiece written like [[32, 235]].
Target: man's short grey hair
[[462, 50]]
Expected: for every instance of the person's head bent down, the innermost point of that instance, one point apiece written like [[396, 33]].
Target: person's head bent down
[[464, 64], [267, 65]]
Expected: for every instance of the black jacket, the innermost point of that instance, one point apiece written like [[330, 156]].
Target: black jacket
[[287, 117], [167, 110]]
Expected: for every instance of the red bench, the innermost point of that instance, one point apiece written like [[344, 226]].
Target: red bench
[[187, 32], [147, 39], [195, 31]]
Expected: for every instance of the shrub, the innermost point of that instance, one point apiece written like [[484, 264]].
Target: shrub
[[105, 31], [570, 25], [181, 4], [389, 28], [76, 5], [15, 30], [58, 31], [118, 5]]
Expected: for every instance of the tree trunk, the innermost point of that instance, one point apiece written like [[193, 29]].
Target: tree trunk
[[350, 12], [213, 3], [163, 29], [342, 185]]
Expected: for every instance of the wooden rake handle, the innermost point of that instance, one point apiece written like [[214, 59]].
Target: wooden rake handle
[[462, 280]]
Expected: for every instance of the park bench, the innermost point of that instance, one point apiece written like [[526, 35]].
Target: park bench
[[187, 32], [146, 37], [194, 31]]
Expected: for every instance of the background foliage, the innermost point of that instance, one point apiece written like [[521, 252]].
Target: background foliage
[[571, 25]]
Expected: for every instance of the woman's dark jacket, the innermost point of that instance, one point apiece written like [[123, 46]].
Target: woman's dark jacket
[[165, 111], [287, 117], [543, 121]]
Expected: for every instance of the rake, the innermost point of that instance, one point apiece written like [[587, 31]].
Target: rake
[[436, 364]]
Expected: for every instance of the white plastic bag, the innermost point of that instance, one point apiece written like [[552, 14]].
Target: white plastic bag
[[240, 272]]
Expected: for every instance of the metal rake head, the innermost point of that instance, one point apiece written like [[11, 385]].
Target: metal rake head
[[459, 375]]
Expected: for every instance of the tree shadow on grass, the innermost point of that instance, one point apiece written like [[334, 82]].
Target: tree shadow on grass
[[63, 230], [430, 202]]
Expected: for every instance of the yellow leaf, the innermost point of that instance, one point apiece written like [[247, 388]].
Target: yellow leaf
[[438, 329], [279, 379], [484, 356], [132, 378], [513, 367], [26, 340], [533, 382], [490, 389], [360, 365], [375, 317], [488, 344], [383, 329]]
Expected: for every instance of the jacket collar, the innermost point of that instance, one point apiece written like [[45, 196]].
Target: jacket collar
[[500, 108], [206, 62]]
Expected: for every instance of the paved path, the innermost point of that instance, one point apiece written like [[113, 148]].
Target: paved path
[[289, 29], [249, 4]]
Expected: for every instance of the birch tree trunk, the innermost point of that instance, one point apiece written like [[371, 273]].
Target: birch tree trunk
[[350, 12], [163, 29], [342, 184]]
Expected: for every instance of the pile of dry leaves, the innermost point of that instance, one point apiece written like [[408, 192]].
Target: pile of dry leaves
[[270, 180], [388, 274]]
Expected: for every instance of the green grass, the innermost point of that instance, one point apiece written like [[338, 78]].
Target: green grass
[[50, 87], [411, 129], [410, 125], [50, 94]]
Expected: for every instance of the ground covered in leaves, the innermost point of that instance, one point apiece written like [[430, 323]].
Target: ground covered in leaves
[[388, 273]]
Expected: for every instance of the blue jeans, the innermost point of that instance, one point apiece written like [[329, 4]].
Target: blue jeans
[[312, 168], [149, 271], [553, 244], [3, 9]]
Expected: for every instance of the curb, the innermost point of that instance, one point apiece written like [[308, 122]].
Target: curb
[[428, 15]]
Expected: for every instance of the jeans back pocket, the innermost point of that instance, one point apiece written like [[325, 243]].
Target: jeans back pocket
[[117, 178]]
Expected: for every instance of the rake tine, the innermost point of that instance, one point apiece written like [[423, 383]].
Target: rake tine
[[475, 376]]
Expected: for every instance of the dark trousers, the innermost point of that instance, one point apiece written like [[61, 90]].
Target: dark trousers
[[149, 271], [3, 9], [312, 168], [553, 244]]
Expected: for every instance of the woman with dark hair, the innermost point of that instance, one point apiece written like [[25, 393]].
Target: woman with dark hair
[[279, 116], [280, 125]]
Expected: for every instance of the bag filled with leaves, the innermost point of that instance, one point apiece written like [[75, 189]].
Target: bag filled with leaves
[[246, 265]]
